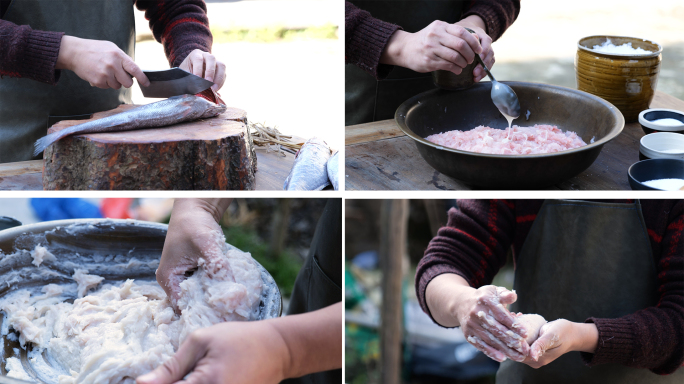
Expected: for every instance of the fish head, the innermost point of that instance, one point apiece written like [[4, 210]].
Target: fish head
[[212, 109]]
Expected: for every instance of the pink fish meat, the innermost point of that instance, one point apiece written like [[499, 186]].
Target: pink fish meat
[[519, 141]]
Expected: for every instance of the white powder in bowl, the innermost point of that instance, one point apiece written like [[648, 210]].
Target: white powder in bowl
[[624, 49], [665, 184], [667, 122]]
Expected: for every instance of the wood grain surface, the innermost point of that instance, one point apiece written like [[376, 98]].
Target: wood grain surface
[[378, 156], [208, 154]]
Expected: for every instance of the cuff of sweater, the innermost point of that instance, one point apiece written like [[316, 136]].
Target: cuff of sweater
[[367, 43], [615, 342], [490, 18], [426, 278], [40, 56]]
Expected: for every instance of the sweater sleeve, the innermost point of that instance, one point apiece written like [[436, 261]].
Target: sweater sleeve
[[498, 15], [29, 53], [365, 39], [473, 244], [181, 26], [652, 337]]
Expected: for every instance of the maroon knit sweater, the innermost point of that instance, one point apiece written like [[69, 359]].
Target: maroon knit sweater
[[181, 26], [366, 36], [477, 236]]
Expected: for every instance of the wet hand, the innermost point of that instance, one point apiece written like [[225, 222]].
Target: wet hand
[[558, 337], [440, 45], [205, 65], [100, 63], [193, 232], [233, 352], [490, 327]]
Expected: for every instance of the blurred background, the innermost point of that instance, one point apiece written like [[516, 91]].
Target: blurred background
[[428, 353], [277, 232], [541, 45], [283, 62]]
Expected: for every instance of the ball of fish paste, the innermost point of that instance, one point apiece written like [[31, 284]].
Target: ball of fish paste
[[532, 323]]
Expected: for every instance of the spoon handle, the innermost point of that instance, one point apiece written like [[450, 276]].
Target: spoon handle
[[479, 59]]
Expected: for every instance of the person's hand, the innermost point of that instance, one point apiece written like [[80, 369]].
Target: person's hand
[[233, 352], [193, 232], [100, 63], [487, 324], [204, 64], [476, 24], [558, 337], [440, 45]]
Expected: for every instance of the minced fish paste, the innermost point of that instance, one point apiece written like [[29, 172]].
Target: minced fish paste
[[540, 138], [122, 331]]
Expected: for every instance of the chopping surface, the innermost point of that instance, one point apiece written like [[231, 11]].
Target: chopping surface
[[378, 156]]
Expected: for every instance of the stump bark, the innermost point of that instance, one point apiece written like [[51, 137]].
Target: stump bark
[[215, 153]]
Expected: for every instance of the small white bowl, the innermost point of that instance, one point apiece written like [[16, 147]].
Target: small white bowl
[[648, 116], [662, 145]]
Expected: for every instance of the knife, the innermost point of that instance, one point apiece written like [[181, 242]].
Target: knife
[[173, 82]]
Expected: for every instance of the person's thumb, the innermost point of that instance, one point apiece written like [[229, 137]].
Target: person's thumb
[[545, 341], [505, 296], [173, 369]]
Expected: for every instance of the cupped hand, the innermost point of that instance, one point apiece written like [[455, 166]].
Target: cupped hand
[[487, 53], [559, 337], [193, 232], [490, 327], [233, 352], [440, 45], [100, 63], [205, 65]]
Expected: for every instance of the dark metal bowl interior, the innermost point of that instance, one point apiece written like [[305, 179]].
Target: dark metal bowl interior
[[654, 169], [438, 111], [92, 244]]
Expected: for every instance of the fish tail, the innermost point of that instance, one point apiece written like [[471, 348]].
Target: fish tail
[[44, 142]]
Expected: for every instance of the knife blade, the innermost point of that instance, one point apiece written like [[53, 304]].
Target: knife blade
[[173, 82]]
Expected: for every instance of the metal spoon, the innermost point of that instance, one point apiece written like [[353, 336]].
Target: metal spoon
[[503, 96]]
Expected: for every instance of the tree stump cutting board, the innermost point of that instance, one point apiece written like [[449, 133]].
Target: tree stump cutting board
[[215, 153]]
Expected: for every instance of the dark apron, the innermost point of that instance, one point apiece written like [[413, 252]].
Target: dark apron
[[319, 282], [27, 105], [367, 99], [581, 260]]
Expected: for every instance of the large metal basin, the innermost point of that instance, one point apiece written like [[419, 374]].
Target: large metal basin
[[91, 244], [438, 111]]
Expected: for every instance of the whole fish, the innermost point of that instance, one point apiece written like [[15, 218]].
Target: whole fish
[[177, 109], [333, 170], [309, 171]]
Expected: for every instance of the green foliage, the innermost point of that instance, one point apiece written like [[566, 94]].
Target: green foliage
[[283, 267], [273, 34]]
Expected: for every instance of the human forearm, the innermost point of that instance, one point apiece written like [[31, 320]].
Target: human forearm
[[29, 53], [497, 15], [314, 340], [446, 295], [215, 207], [366, 37], [181, 26]]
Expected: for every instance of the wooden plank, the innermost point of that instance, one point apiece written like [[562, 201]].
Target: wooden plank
[[363, 133], [380, 161], [20, 168], [393, 227]]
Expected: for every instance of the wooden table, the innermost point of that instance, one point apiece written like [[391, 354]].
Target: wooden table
[[379, 156], [272, 170]]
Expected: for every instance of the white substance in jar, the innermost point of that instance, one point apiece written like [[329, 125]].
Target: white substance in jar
[[122, 331], [665, 184], [624, 49]]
